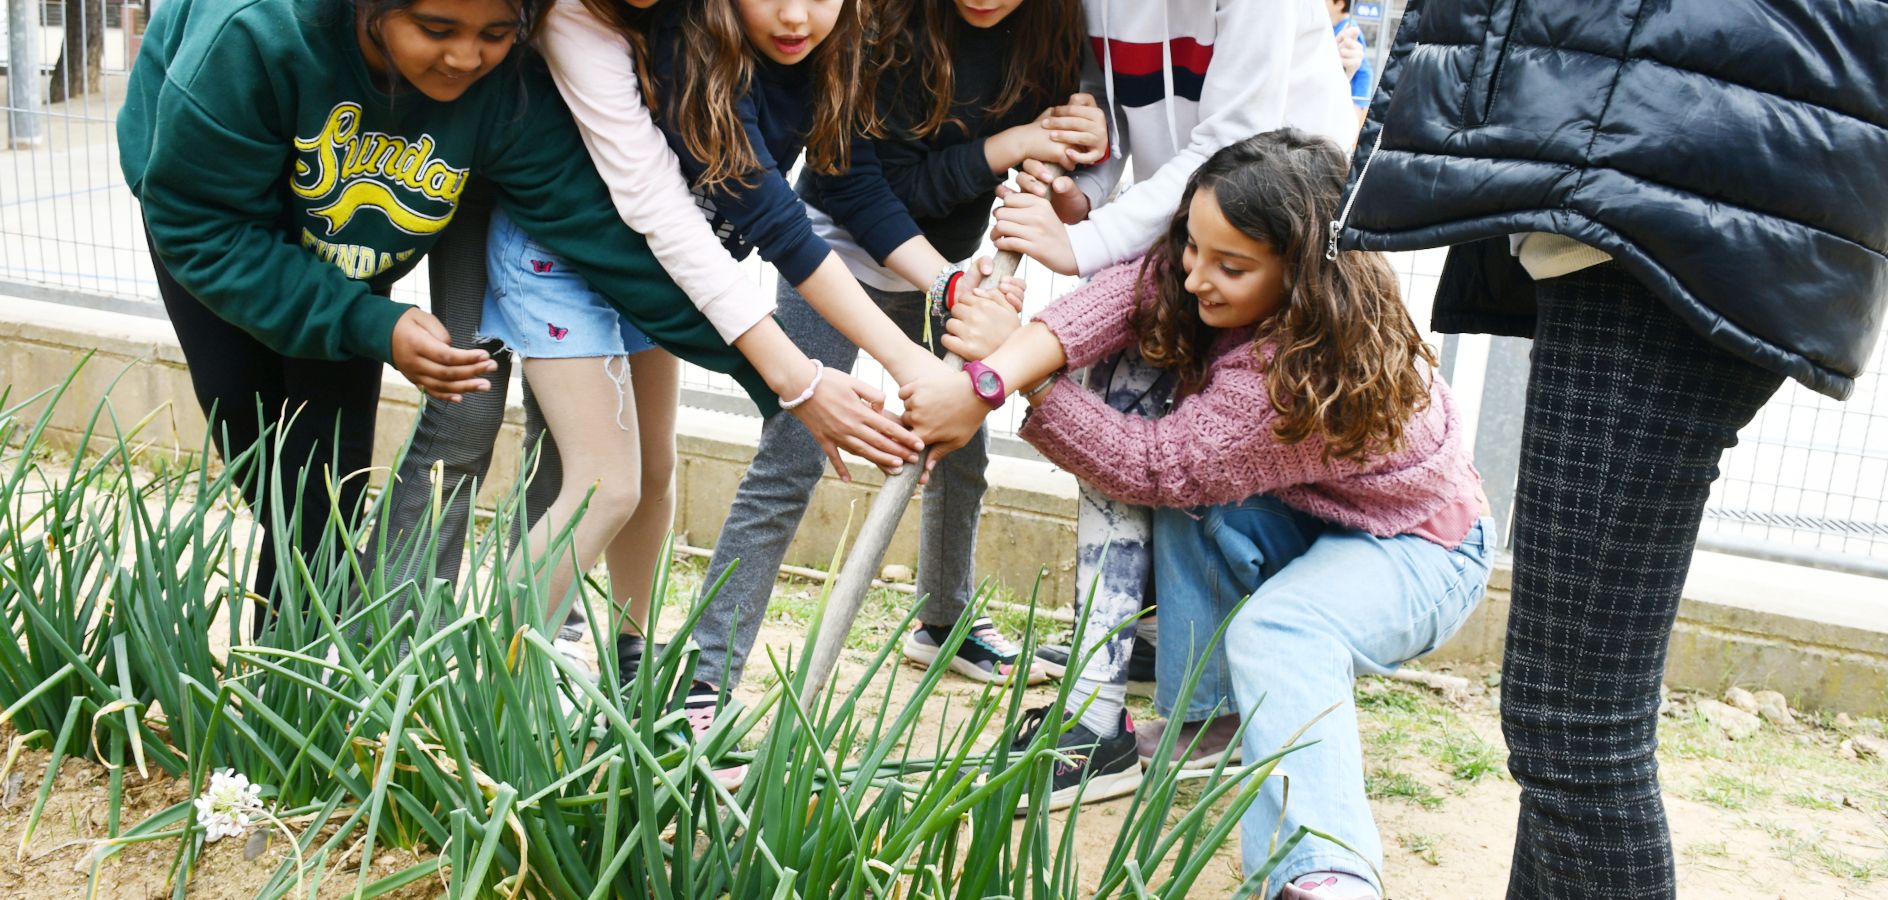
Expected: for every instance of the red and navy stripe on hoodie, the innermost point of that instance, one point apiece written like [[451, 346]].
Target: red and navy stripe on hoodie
[[1137, 69]]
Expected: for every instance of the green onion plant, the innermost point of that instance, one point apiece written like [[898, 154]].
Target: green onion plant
[[399, 711]]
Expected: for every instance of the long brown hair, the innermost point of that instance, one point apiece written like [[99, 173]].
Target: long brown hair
[[1346, 362], [633, 24], [716, 65], [915, 37]]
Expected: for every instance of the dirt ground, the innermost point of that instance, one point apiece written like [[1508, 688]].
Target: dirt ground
[[57, 861], [1782, 813]]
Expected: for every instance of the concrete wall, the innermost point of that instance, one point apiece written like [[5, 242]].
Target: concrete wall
[[1028, 516], [1819, 637]]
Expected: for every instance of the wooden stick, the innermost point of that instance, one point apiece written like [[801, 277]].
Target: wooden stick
[[862, 564]]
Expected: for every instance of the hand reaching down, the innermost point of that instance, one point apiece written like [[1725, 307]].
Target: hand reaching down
[[423, 352], [845, 413]]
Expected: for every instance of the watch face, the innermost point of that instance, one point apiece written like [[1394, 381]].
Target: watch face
[[987, 384]]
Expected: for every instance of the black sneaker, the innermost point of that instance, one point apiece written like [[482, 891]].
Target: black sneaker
[[630, 650], [1141, 663], [985, 655], [576, 627], [1054, 659], [1096, 768]]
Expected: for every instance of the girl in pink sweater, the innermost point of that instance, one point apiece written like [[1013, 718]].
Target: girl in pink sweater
[[1312, 490]]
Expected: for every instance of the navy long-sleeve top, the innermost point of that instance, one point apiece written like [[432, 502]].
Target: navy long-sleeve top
[[943, 180], [766, 215]]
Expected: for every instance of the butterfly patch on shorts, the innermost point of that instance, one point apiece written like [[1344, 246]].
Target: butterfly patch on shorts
[[557, 334], [541, 266]]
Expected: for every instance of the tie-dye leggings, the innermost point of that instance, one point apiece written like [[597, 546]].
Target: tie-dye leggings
[[1114, 540]]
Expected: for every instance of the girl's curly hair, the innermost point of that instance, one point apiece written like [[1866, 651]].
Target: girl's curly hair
[[1346, 362]]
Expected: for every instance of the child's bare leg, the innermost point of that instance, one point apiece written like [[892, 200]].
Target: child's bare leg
[[594, 420], [655, 380]]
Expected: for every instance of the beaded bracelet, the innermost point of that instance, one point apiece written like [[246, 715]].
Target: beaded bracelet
[[819, 371], [943, 289]]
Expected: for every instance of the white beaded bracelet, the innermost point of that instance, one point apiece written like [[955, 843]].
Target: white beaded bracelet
[[819, 371]]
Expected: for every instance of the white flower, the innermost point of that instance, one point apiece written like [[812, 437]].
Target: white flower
[[225, 808]]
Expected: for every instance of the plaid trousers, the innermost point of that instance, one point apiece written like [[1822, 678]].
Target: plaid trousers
[[1628, 412]]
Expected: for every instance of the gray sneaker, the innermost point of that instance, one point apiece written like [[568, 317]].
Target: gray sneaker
[[1216, 744], [985, 654]]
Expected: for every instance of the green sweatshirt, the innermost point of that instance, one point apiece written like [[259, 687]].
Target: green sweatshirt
[[278, 177]]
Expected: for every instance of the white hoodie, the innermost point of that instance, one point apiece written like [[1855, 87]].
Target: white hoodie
[[1182, 78]]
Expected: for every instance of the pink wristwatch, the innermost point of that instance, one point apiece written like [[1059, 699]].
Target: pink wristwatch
[[987, 384]]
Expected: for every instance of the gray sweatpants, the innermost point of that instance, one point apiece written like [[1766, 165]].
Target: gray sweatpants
[[457, 435], [779, 483]]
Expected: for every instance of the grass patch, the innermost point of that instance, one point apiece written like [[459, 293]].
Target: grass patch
[[1811, 800], [1391, 737], [1713, 850], [1394, 717], [1389, 697], [1465, 756], [1790, 843], [1389, 783], [1798, 847], [1422, 846], [1726, 792], [1841, 865]]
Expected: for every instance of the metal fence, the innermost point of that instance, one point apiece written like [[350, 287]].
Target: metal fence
[[1805, 484]]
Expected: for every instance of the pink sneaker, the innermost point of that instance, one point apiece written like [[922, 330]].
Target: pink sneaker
[[701, 718], [1328, 886]]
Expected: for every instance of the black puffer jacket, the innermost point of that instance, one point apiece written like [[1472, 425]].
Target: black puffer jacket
[[1730, 154]]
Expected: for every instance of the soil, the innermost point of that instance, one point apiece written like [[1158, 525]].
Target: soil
[[56, 862]]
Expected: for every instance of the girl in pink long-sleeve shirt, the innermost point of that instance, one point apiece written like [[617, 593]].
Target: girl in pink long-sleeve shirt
[[1313, 492]]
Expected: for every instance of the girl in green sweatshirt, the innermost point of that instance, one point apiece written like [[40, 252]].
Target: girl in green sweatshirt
[[295, 157]]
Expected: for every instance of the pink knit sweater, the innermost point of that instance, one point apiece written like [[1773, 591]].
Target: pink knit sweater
[[1217, 446]]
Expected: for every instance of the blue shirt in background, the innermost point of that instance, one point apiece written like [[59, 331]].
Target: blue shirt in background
[[1360, 82]]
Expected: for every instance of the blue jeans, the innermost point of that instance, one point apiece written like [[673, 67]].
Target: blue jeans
[[1326, 603]]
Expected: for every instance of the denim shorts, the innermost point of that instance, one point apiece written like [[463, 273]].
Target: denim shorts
[[540, 308]]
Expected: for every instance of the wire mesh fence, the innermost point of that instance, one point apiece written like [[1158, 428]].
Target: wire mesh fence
[[1808, 479], [1806, 482]]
